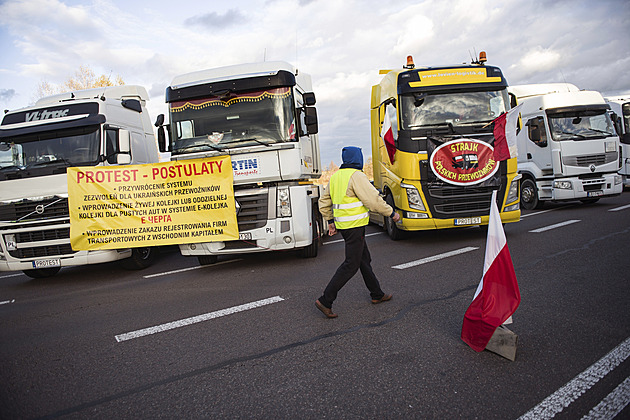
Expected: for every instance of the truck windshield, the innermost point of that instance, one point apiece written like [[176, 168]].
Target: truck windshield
[[233, 120], [581, 125], [457, 108], [70, 147]]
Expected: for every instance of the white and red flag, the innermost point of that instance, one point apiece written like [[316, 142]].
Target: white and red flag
[[505, 126], [497, 295], [388, 135]]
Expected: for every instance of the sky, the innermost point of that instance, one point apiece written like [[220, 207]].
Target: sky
[[341, 44]]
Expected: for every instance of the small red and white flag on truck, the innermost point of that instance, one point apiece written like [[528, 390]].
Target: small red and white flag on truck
[[388, 135], [505, 129], [497, 295]]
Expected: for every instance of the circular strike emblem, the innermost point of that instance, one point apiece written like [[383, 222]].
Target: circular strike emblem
[[464, 162]]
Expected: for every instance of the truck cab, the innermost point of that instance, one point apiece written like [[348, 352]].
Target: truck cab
[[569, 149], [620, 114], [262, 115], [94, 127]]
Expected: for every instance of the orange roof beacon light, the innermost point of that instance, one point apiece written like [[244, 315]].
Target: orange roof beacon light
[[482, 57], [410, 64]]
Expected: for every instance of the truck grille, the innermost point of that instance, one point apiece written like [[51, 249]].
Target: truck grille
[[253, 213], [34, 210], [449, 201], [43, 251], [588, 160]]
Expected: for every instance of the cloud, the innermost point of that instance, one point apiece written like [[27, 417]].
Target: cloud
[[6, 94], [215, 20]]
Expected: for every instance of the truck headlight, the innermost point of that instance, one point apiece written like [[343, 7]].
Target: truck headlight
[[10, 241], [413, 197], [618, 179], [284, 202], [512, 192], [563, 185]]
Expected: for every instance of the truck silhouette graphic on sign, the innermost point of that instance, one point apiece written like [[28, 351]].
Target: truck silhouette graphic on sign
[[467, 161]]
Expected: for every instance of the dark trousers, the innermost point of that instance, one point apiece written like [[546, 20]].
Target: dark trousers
[[357, 258]]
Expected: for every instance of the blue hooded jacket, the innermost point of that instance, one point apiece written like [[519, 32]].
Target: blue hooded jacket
[[352, 157]]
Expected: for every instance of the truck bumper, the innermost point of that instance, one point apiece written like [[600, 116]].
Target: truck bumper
[[605, 185], [430, 224], [8, 263]]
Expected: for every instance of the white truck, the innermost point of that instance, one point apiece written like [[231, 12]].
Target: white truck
[[103, 126], [263, 116], [620, 113], [568, 148]]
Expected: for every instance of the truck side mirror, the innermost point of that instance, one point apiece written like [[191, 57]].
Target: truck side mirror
[[124, 147], [309, 98], [161, 133], [310, 119]]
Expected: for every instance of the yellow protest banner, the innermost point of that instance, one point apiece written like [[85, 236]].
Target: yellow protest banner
[[156, 204]]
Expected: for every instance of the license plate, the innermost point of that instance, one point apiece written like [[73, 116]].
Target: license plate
[[53, 262], [468, 221], [246, 236], [594, 193]]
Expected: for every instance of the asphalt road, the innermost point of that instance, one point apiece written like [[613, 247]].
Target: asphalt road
[[243, 339]]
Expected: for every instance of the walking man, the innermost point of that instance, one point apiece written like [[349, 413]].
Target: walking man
[[345, 204]]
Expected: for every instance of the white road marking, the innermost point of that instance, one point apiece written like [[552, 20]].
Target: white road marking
[[195, 319], [341, 240], [557, 225], [7, 301], [11, 275], [573, 389], [181, 270], [541, 212], [612, 404], [435, 258], [621, 208]]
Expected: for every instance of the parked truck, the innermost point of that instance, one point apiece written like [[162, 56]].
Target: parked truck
[[262, 115], [568, 149], [439, 171], [104, 126], [620, 114]]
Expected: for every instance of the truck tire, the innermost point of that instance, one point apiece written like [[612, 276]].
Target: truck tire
[[207, 259], [40, 273], [311, 250], [140, 258], [390, 226], [529, 195]]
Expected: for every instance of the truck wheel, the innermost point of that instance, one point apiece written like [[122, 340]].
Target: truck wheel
[[391, 228], [311, 250], [529, 195], [140, 258], [207, 259], [40, 273]]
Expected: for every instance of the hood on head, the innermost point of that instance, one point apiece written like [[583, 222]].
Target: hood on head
[[352, 157]]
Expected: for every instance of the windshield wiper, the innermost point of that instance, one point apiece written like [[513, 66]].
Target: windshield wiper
[[568, 133], [57, 161], [608, 134], [198, 145]]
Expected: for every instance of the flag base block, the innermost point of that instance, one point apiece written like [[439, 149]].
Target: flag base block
[[503, 343]]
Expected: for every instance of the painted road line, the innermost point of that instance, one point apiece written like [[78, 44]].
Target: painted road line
[[7, 301], [543, 211], [196, 319], [182, 270], [557, 225], [435, 258], [341, 240], [573, 389], [613, 404], [620, 208], [11, 275]]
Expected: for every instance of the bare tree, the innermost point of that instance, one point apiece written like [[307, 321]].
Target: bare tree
[[83, 78]]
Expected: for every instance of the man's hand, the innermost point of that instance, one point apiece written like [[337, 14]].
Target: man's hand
[[331, 229], [396, 217]]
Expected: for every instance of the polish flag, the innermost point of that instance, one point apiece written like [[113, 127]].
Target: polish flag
[[497, 296], [505, 129], [388, 135]]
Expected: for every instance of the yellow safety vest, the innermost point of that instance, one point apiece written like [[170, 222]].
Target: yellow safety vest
[[349, 212]]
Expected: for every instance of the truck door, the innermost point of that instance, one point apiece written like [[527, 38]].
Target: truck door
[[537, 146]]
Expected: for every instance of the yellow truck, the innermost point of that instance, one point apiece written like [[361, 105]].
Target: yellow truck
[[432, 146]]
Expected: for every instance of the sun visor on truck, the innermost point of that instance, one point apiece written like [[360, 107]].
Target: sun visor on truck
[[204, 90], [50, 118]]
